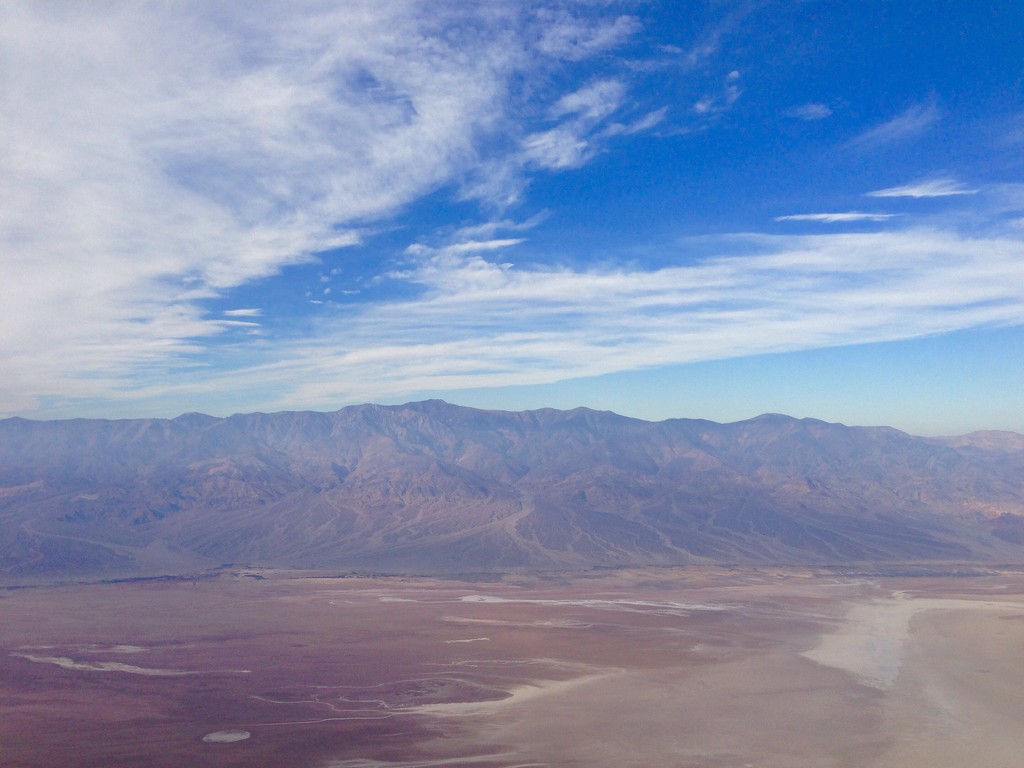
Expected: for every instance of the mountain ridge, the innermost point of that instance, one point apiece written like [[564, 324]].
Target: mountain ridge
[[435, 487]]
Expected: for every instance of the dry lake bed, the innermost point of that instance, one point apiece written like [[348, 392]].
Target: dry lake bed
[[689, 667]]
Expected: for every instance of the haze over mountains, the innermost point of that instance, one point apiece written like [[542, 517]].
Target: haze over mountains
[[432, 487]]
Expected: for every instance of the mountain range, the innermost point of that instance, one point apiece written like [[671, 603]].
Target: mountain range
[[432, 487]]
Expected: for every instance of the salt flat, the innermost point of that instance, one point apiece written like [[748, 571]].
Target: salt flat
[[611, 669], [872, 642], [960, 697]]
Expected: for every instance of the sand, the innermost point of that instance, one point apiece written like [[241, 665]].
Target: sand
[[226, 737], [924, 682], [102, 666], [687, 668], [871, 643], [959, 700], [518, 696]]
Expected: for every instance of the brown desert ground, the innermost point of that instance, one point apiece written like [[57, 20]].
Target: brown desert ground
[[689, 667]]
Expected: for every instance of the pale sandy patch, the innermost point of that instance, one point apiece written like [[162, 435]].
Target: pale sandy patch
[[434, 763], [226, 737], [518, 695], [870, 642], [766, 710], [960, 697], [128, 649], [102, 666], [116, 666], [119, 649], [539, 623], [663, 607]]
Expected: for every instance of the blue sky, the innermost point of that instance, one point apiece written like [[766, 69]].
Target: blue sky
[[701, 209]]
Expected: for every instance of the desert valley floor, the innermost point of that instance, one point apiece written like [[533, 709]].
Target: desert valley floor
[[690, 667]]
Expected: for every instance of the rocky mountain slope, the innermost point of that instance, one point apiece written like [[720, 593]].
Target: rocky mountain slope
[[434, 487]]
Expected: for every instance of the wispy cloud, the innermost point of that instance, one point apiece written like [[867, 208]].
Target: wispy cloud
[[906, 125], [567, 36], [810, 111], [593, 102], [837, 218], [640, 125], [719, 102], [488, 229], [480, 323], [710, 41], [559, 148], [146, 174], [942, 187], [582, 129], [574, 141], [465, 246]]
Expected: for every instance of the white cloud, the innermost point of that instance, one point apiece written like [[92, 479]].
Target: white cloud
[[238, 324], [484, 324], [575, 140], [710, 40], [943, 187], [489, 228], [837, 218], [571, 143], [645, 123], [913, 122], [809, 111], [559, 148], [566, 37], [153, 156], [480, 246], [593, 102], [156, 155], [714, 104]]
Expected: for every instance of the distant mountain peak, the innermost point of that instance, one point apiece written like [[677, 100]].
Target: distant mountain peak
[[432, 486]]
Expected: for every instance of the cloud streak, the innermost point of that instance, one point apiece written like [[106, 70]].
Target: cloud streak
[[480, 323], [908, 124], [837, 218], [944, 187], [156, 156], [158, 160], [810, 112]]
